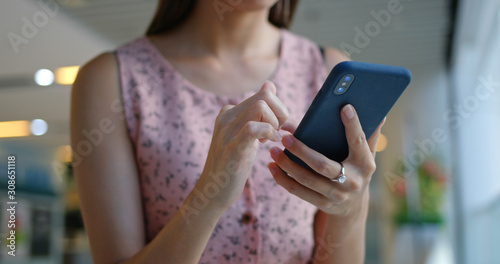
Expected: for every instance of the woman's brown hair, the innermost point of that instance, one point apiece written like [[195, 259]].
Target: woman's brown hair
[[171, 13]]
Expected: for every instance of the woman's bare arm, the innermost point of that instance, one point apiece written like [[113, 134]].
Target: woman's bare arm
[[108, 182]]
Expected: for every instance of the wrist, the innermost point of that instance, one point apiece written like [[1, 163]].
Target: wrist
[[201, 204], [354, 220], [343, 240]]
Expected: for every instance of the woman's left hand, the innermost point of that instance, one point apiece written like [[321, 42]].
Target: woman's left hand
[[316, 187]]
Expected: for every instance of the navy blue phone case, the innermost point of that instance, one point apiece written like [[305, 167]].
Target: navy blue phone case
[[373, 92]]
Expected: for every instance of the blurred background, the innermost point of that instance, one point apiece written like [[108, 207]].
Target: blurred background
[[435, 197]]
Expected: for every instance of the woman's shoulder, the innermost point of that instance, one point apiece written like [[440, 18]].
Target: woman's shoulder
[[332, 56], [95, 87], [133, 45], [102, 67], [299, 42], [103, 61], [107, 64]]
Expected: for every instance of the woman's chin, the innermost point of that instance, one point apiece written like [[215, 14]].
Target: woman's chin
[[252, 5]]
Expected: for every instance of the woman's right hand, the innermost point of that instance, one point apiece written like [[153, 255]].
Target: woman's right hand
[[234, 146]]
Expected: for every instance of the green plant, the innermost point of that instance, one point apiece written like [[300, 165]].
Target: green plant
[[430, 191]]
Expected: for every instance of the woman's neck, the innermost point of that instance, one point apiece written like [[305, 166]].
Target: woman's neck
[[226, 32]]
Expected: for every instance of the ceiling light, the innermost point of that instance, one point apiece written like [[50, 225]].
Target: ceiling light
[[20, 128], [38, 127], [66, 75], [44, 77]]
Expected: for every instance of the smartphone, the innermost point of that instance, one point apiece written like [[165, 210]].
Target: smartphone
[[372, 89]]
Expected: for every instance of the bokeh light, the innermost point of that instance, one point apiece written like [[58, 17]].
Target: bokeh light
[[44, 77]]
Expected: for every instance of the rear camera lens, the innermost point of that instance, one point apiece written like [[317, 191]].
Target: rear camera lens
[[344, 84]]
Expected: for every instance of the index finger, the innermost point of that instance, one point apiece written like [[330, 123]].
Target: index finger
[[267, 93]]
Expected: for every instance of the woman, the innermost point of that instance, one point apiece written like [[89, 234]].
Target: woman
[[180, 176]]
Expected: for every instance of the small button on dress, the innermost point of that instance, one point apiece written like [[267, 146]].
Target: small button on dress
[[247, 218]]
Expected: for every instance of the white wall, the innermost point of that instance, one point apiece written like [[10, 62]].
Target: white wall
[[477, 59], [59, 41]]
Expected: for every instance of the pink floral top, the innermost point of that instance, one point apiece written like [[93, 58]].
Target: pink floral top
[[170, 122]]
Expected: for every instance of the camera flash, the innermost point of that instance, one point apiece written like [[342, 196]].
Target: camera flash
[[343, 84]]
